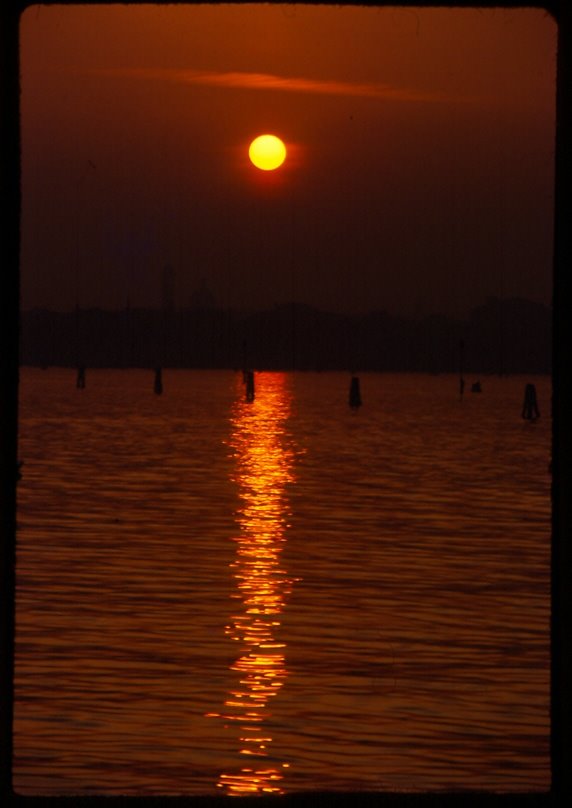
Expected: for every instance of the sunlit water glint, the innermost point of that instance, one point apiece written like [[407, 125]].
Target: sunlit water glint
[[264, 463], [217, 596]]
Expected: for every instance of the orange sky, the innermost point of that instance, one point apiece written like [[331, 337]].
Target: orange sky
[[419, 175]]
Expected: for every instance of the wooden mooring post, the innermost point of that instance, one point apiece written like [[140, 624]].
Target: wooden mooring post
[[461, 367], [355, 394], [158, 385], [249, 381], [530, 409]]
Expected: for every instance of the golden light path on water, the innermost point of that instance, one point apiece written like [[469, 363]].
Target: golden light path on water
[[264, 464]]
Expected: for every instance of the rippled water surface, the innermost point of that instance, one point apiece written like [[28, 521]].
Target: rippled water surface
[[222, 596]]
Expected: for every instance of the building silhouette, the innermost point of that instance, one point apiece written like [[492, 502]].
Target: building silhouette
[[168, 289], [202, 299]]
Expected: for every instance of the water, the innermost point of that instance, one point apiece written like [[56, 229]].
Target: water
[[220, 596]]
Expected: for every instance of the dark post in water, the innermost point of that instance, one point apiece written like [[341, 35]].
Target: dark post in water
[[530, 409], [158, 387], [355, 395], [249, 379], [80, 379], [461, 367]]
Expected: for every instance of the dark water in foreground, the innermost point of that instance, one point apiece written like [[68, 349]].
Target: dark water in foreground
[[284, 595]]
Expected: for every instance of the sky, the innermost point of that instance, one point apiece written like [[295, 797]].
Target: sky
[[419, 172]]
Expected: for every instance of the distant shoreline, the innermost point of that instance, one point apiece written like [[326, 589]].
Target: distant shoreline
[[500, 337]]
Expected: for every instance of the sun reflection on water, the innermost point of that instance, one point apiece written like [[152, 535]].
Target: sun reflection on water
[[264, 462]]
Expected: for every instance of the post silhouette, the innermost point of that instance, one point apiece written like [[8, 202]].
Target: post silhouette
[[80, 378], [355, 394], [249, 380], [158, 386], [461, 367], [530, 409]]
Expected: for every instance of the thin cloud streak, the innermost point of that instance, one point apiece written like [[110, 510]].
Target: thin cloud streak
[[267, 81]]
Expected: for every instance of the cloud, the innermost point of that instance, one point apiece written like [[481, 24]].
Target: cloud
[[268, 81]]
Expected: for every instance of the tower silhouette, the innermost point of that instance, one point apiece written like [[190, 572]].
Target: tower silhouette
[[168, 289]]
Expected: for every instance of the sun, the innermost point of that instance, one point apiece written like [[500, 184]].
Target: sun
[[267, 152]]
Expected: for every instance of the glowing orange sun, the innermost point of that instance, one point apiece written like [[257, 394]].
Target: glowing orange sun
[[267, 152]]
